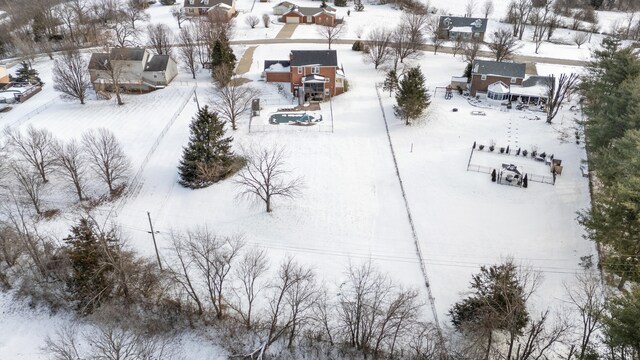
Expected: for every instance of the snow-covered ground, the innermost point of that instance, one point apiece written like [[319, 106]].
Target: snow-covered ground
[[351, 207]]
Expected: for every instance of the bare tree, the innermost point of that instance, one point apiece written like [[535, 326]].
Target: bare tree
[[113, 68], [71, 164], [188, 49], [178, 13], [293, 293], [519, 14], [503, 45], [487, 8], [233, 100], [588, 302], [331, 33], [469, 8], [580, 38], [70, 75], [408, 37], [540, 19], [160, 37], [213, 258], [266, 20], [124, 34], [540, 338], [107, 158], [264, 177], [252, 20], [433, 28], [558, 93], [64, 345], [458, 45], [114, 342], [133, 12], [252, 267], [470, 50], [182, 273], [36, 148], [378, 49], [30, 184]]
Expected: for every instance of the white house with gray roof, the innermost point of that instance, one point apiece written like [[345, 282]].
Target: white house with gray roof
[[136, 69], [467, 28]]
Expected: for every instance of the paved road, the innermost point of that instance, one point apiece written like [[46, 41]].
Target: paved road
[[446, 50]]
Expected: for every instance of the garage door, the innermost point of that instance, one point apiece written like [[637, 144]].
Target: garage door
[[293, 20]]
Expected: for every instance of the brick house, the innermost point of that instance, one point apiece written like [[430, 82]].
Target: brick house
[[4, 75], [450, 27], [310, 15], [313, 75], [486, 73]]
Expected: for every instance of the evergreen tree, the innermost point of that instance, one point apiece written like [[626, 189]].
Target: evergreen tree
[[390, 82], [612, 94], [28, 74], [340, 2], [222, 57], [497, 302], [208, 157], [622, 326], [90, 282], [613, 218], [412, 97]]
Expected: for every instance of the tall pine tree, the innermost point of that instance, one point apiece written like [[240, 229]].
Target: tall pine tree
[[208, 157], [411, 97], [390, 82], [223, 60], [91, 281]]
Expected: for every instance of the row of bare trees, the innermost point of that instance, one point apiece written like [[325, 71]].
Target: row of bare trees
[[32, 156]]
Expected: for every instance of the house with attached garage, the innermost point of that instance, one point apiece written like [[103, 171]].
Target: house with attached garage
[[467, 28], [310, 15], [313, 75], [218, 8], [136, 70]]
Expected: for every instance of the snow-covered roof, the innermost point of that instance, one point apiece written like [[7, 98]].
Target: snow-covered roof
[[474, 24], [462, 29], [537, 90], [459, 79], [498, 87], [277, 67], [313, 79]]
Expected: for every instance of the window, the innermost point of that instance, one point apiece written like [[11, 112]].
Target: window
[[299, 69], [315, 70], [483, 77], [310, 19], [326, 80], [206, 2], [191, 2], [513, 80]]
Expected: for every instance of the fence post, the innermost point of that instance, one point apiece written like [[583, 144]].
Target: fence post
[[470, 156]]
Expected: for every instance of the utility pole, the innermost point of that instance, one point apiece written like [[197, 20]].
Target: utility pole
[[153, 236]]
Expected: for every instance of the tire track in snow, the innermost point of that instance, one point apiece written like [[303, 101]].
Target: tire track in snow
[[137, 181], [414, 234]]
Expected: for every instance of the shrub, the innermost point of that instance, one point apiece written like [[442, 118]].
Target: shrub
[[340, 3], [357, 46]]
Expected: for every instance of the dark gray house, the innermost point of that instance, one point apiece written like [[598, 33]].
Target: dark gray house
[[466, 27]]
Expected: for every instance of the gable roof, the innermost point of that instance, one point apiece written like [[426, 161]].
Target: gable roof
[[99, 61], [157, 63], [206, 3], [311, 11], [128, 54], [314, 57], [475, 24], [484, 67], [285, 3]]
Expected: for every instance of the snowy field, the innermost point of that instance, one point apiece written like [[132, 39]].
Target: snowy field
[[351, 207]]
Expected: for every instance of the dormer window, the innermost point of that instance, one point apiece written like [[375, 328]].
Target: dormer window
[[191, 2], [206, 2], [513, 80]]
